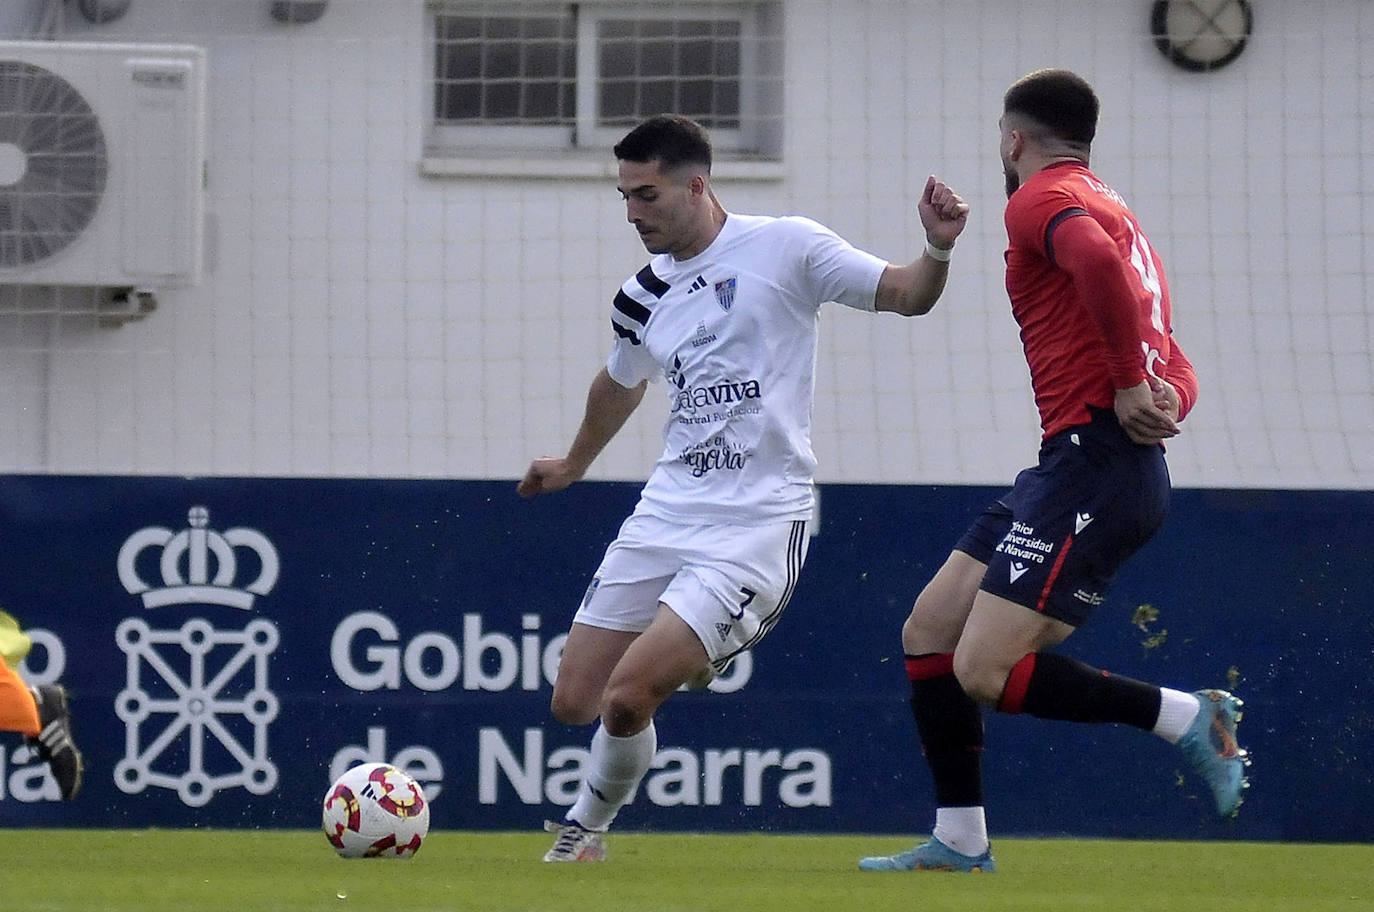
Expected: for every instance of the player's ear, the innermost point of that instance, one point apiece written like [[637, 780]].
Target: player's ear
[[1017, 145]]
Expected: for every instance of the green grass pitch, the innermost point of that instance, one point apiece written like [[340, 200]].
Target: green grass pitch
[[250, 870]]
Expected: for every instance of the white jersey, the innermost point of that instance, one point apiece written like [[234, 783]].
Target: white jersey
[[733, 333]]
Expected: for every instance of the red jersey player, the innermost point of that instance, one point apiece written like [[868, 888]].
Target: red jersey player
[[1089, 294], [1091, 300]]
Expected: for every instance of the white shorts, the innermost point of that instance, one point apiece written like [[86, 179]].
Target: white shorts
[[729, 583]]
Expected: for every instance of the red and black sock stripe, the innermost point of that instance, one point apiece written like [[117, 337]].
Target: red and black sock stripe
[[1051, 686]]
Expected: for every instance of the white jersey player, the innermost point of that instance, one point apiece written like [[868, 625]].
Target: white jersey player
[[726, 314], [733, 332]]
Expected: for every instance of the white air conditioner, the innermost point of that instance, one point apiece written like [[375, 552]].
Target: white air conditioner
[[102, 163]]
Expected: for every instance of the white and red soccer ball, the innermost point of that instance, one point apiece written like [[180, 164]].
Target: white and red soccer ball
[[375, 811]]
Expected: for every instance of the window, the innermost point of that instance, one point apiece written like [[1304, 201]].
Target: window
[[648, 66], [535, 77], [495, 72]]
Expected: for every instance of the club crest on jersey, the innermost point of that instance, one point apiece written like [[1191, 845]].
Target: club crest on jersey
[[725, 294]]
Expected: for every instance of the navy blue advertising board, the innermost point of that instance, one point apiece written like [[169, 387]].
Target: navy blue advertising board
[[231, 644]]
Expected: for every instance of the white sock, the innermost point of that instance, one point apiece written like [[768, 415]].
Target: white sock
[[1177, 710], [615, 768], [963, 829]]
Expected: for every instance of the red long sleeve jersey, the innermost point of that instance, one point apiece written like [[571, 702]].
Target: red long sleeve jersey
[[1089, 294]]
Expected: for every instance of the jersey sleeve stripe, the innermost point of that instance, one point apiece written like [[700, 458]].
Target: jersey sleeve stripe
[[625, 333], [631, 308], [651, 283], [1055, 222]]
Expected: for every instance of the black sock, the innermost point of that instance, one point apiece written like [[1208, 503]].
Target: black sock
[[950, 725], [1051, 686]]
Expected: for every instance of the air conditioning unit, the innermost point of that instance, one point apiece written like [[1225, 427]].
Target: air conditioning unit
[[102, 164]]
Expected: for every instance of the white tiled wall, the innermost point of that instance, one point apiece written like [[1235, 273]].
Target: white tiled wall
[[358, 318]]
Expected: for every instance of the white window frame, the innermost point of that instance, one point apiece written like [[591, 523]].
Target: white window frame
[[580, 149]]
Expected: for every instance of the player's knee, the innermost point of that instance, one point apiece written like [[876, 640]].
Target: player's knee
[[981, 680], [918, 634], [624, 711], [570, 711], [911, 630], [923, 633]]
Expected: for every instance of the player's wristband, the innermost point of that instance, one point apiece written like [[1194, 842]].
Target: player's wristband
[[941, 254]]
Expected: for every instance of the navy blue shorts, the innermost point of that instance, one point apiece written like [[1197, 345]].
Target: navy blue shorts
[[1055, 541]]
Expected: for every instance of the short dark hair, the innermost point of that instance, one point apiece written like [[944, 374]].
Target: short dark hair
[[671, 138], [1060, 100]]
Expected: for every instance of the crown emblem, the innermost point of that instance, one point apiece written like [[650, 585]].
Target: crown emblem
[[198, 565]]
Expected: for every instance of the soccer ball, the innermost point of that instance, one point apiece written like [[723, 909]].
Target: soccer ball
[[375, 811]]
